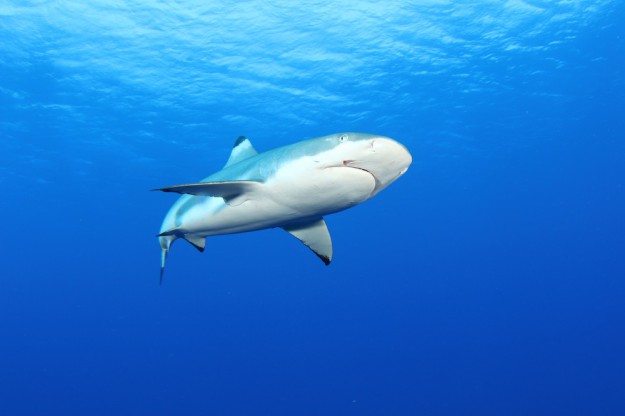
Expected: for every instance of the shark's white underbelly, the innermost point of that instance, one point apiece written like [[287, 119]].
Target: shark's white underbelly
[[286, 198]]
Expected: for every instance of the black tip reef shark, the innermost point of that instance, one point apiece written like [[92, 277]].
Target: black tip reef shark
[[291, 187]]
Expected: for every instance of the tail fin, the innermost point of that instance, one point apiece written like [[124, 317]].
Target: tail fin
[[165, 242], [163, 257]]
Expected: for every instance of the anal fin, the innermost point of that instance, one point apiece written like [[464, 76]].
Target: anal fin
[[197, 242], [315, 235]]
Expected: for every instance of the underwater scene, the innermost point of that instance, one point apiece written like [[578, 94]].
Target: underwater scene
[[451, 174]]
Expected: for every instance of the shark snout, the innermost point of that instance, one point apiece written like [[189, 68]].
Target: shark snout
[[388, 161]]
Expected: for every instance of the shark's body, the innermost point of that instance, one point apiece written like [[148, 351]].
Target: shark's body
[[291, 187]]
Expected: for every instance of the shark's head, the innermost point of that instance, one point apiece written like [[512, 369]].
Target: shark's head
[[384, 158]]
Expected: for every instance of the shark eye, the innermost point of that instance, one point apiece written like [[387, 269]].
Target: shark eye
[[342, 137]]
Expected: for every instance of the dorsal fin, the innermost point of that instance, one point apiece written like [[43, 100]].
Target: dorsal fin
[[241, 150]]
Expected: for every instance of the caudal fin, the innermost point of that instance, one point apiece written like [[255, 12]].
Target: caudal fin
[[165, 242], [163, 258]]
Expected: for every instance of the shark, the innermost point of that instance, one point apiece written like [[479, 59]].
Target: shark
[[291, 187]]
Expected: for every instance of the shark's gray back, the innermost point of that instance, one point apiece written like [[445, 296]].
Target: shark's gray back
[[264, 165]]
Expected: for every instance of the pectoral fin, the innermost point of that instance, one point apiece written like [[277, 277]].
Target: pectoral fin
[[228, 190], [315, 235]]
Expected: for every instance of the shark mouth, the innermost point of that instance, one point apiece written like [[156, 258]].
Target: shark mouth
[[353, 164]]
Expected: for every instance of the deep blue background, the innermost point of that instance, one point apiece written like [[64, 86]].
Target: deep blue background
[[489, 280]]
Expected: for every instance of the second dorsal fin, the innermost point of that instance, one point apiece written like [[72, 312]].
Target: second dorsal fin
[[241, 150]]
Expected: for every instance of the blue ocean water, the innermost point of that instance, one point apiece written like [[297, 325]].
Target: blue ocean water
[[488, 280]]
